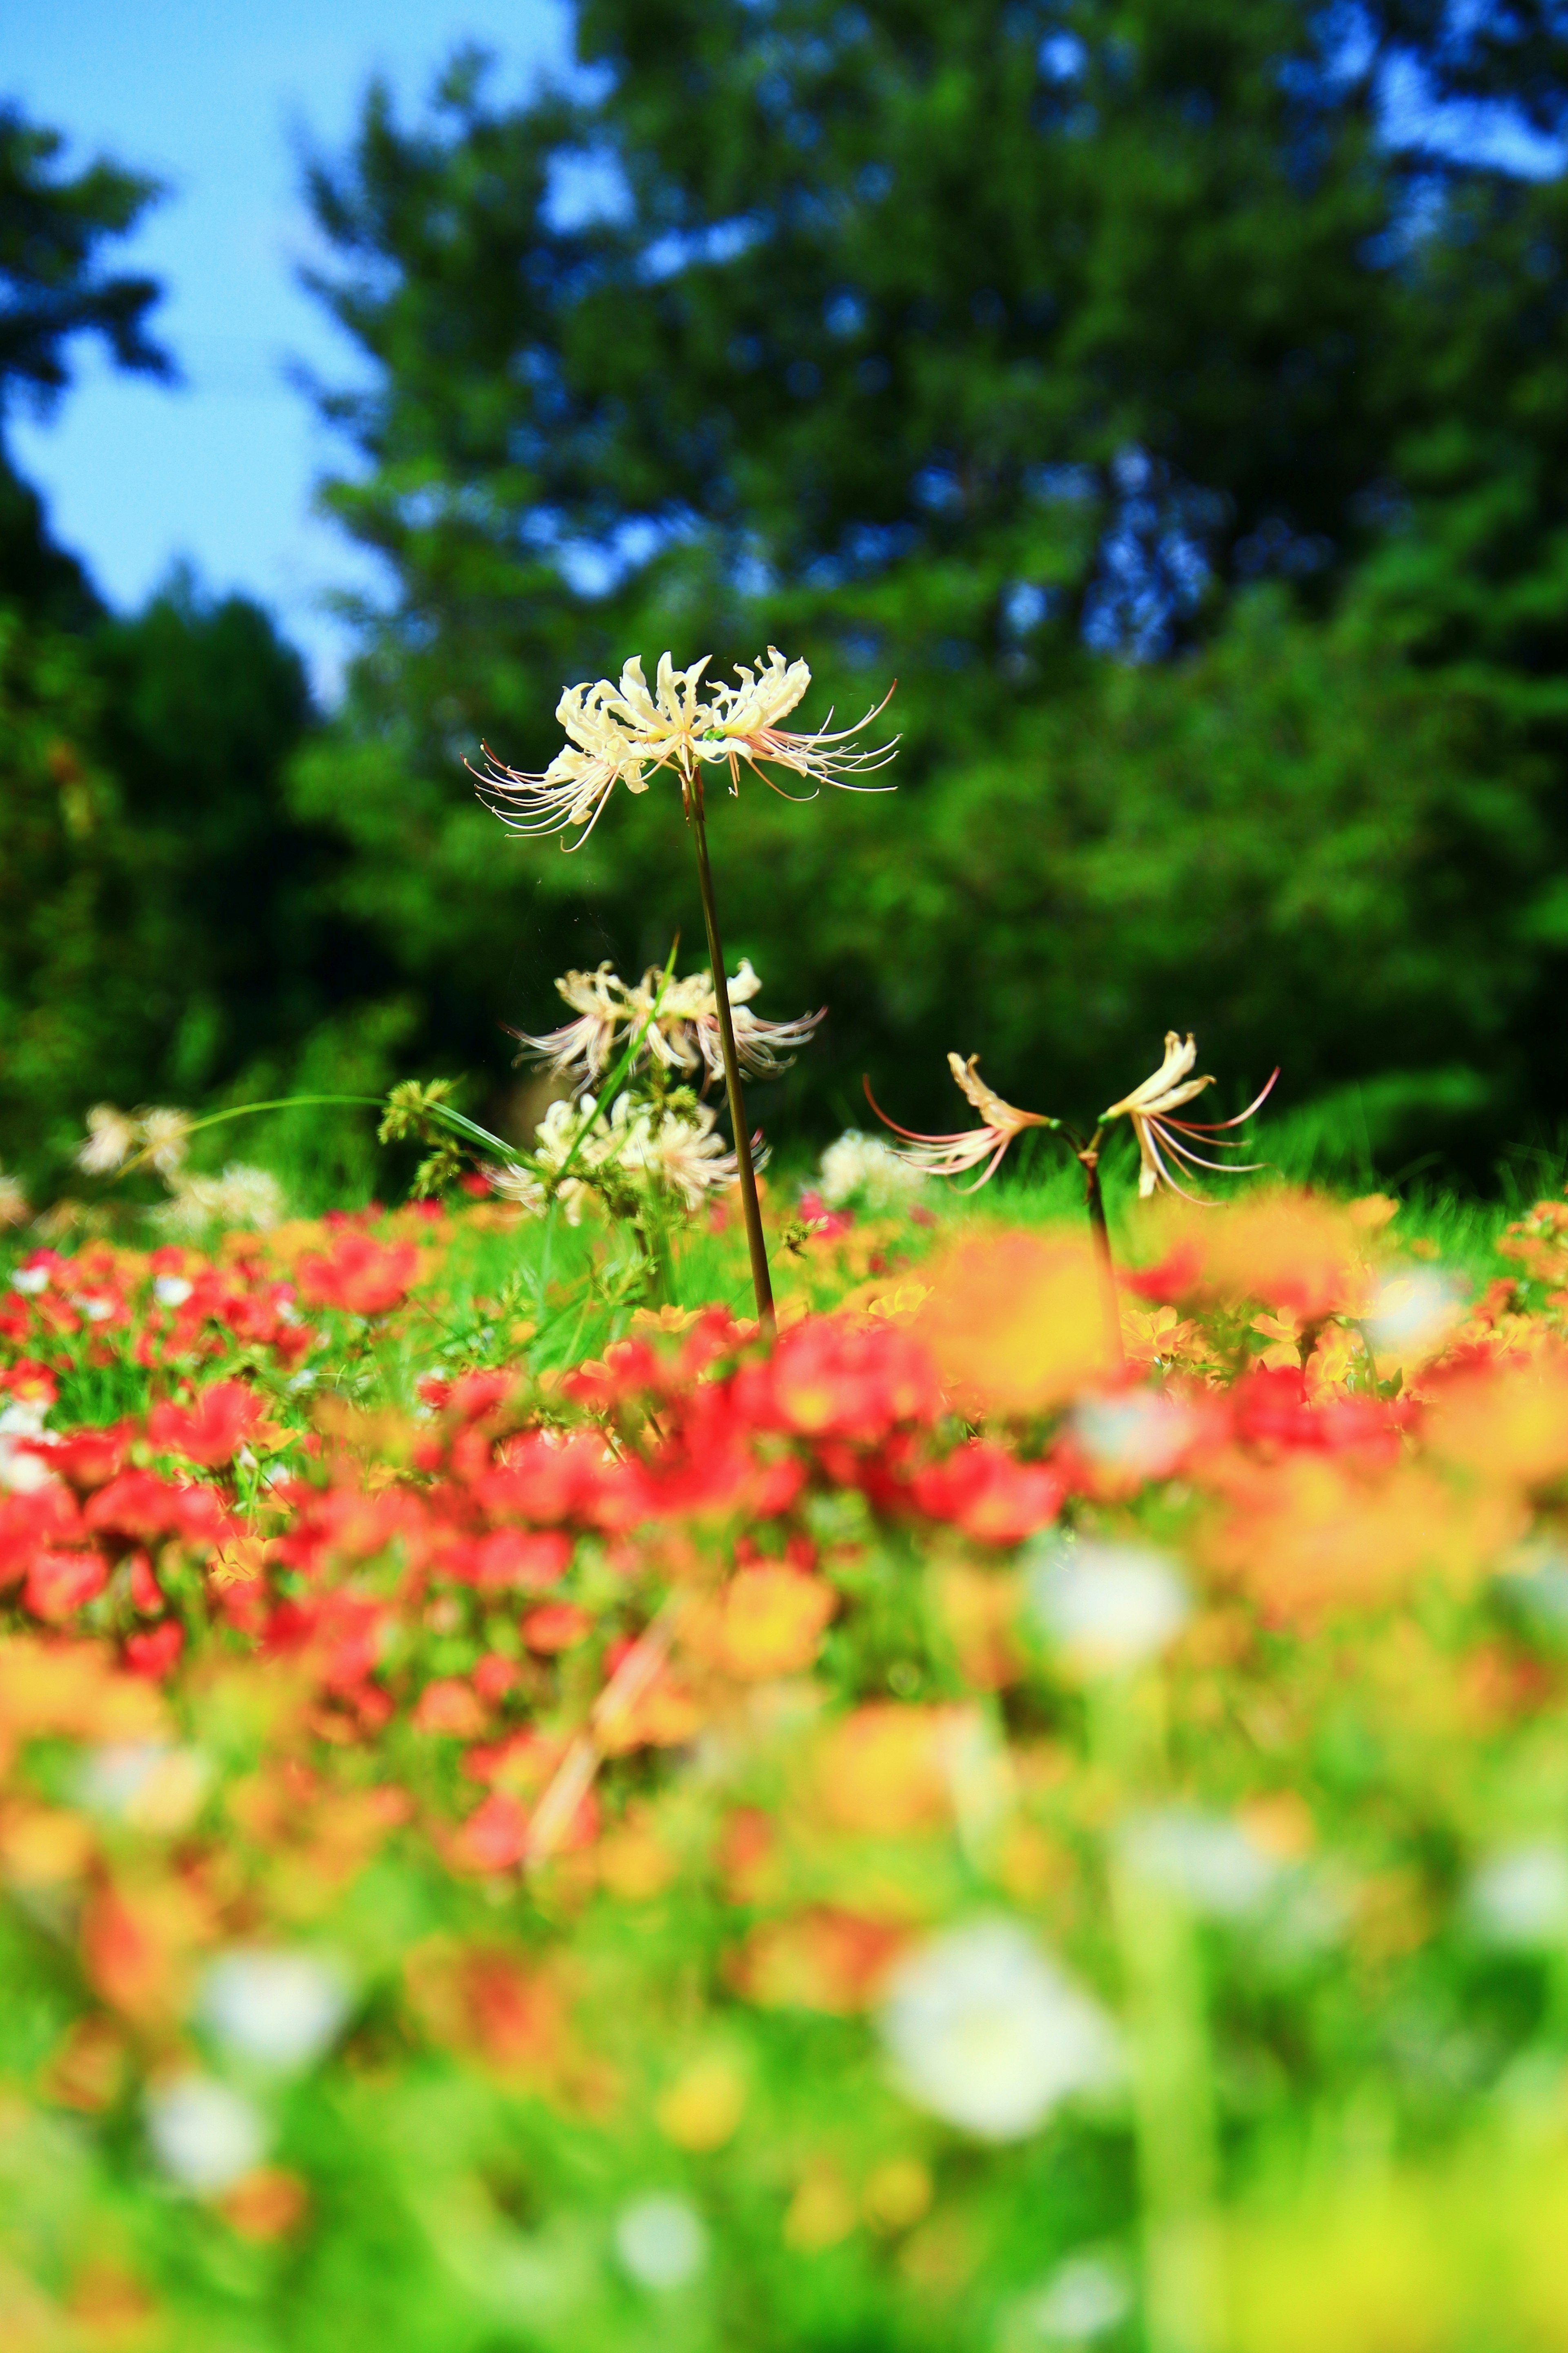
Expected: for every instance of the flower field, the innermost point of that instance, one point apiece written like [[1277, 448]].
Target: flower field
[[532, 1821]]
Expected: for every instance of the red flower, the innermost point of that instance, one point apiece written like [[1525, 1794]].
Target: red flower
[[139, 1504], [155, 1652], [211, 1432], [556, 1626], [509, 1557], [833, 1379], [47, 1515], [60, 1582], [361, 1276], [495, 1835], [86, 1458], [984, 1491]]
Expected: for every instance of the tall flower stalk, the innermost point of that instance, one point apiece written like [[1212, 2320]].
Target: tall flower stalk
[[623, 732]]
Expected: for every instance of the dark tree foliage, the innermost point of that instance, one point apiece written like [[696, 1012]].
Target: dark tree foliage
[[55, 288], [167, 924]]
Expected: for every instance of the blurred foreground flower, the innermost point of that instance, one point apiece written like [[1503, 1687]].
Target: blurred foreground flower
[[1213, 1863], [1519, 1899], [1107, 1607], [282, 2010], [204, 2134], [987, 2032], [661, 2242]]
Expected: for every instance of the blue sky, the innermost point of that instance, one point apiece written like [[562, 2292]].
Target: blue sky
[[212, 96]]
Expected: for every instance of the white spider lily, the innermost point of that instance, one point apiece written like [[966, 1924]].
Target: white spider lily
[[950, 1156], [682, 1035], [1149, 1107], [112, 1137], [623, 732]]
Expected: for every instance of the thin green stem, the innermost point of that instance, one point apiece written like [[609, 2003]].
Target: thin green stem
[[1100, 1233], [751, 1207]]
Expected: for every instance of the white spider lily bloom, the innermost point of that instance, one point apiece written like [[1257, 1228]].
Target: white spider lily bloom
[[111, 1139], [166, 1139], [582, 1048], [623, 732], [682, 1035], [242, 1196], [860, 1166], [684, 1153], [1149, 1105], [985, 2030], [950, 1156], [515, 1183]]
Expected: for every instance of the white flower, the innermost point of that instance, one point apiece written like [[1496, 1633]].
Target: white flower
[[171, 1289], [951, 1155], [1107, 1606], [1521, 1898], [144, 1783], [204, 2134], [860, 1166], [111, 1139], [1149, 1105], [515, 1183], [30, 1279], [681, 1035], [1412, 1313], [242, 1196], [1085, 2297], [21, 1470], [620, 733], [1209, 1861], [985, 2030], [165, 1138], [661, 2241], [685, 1153], [1136, 1430], [682, 1151], [282, 2009]]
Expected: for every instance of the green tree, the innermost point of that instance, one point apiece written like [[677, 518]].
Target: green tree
[[1190, 449], [55, 228]]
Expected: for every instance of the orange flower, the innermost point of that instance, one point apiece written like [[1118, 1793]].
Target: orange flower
[[771, 1621], [1015, 1323], [1506, 1422]]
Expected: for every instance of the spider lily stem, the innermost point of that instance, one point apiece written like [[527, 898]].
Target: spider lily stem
[[1088, 1157], [751, 1207]]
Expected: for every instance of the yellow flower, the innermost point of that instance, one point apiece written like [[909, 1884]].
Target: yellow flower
[[623, 732]]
